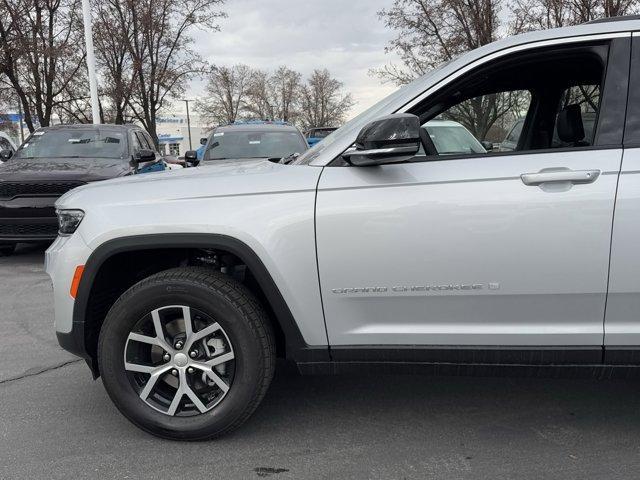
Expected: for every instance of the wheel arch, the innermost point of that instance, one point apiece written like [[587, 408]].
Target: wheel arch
[[87, 323]]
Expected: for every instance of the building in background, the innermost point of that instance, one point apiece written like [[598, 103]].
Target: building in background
[[173, 133], [10, 124]]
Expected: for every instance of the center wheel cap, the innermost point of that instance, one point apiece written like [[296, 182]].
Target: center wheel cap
[[181, 360]]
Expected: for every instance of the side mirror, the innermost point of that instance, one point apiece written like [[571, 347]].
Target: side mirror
[[144, 155], [191, 156], [488, 146], [6, 154], [203, 141], [391, 139]]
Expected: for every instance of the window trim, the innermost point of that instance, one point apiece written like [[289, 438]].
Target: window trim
[[631, 137]]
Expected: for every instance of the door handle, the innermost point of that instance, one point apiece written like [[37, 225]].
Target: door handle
[[555, 176]]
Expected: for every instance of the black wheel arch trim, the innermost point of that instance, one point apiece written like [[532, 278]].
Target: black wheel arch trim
[[75, 341]]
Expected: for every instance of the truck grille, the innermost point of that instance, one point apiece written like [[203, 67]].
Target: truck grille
[[29, 229], [10, 190]]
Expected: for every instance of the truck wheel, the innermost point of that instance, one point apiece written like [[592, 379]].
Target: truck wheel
[[7, 249], [187, 354]]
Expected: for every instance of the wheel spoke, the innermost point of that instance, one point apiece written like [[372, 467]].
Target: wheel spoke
[[194, 398], [136, 367], [220, 359], [214, 327], [179, 393], [136, 337], [175, 402], [152, 381], [212, 375], [188, 326], [218, 381], [157, 326]]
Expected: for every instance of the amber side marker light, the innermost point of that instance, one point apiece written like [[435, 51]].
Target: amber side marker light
[[75, 282]]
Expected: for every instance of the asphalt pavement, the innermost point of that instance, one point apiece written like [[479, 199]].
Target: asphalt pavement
[[56, 422]]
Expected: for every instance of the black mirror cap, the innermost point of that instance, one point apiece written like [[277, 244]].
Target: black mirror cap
[[191, 156], [203, 141], [390, 139], [6, 154], [145, 155], [391, 130]]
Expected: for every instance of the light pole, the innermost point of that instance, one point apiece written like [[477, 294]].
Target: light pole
[[91, 60], [188, 124], [21, 125]]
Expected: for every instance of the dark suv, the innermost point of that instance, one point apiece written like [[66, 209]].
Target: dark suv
[[56, 159]]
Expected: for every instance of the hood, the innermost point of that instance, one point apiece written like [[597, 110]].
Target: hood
[[221, 180], [63, 169]]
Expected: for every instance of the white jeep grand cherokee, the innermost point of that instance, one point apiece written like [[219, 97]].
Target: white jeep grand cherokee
[[379, 248]]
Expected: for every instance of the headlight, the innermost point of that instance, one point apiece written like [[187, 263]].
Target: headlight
[[68, 221]]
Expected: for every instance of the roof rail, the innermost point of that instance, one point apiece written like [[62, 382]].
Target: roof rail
[[621, 18], [256, 122]]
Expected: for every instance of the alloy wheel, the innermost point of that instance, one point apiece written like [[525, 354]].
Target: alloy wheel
[[179, 360]]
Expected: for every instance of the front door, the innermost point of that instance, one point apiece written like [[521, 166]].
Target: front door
[[473, 245]]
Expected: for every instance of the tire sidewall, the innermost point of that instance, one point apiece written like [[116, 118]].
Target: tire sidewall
[[249, 357]]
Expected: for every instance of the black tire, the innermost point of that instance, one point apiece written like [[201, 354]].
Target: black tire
[[233, 307], [7, 249]]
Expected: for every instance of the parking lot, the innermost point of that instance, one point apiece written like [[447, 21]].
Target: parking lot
[[56, 422]]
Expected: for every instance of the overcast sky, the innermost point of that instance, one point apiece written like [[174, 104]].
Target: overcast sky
[[344, 36]]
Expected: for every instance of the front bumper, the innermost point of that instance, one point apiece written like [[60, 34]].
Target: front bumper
[[61, 260]]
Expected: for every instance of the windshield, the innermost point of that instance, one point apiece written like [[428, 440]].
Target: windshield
[[321, 132], [73, 144], [254, 144]]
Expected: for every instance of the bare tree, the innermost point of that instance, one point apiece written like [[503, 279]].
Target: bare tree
[[322, 102], [274, 96], [285, 85], [41, 58], [160, 50], [481, 115], [225, 94], [432, 32], [541, 14], [258, 100], [114, 61]]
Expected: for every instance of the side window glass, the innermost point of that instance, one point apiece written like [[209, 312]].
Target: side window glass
[[576, 117], [149, 141], [141, 142], [480, 125], [514, 135], [516, 105]]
